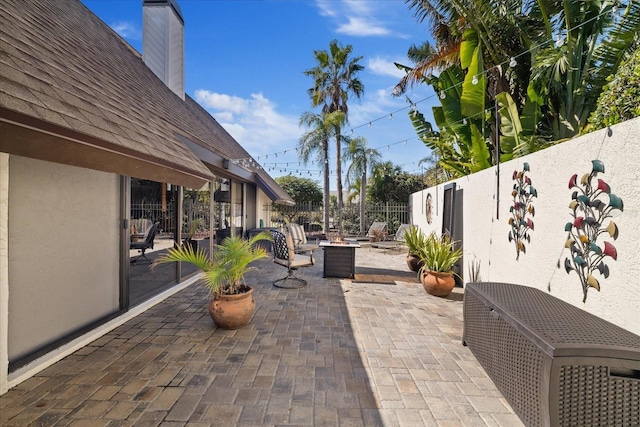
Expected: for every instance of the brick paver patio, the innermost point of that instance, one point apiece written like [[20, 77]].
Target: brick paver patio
[[335, 353]]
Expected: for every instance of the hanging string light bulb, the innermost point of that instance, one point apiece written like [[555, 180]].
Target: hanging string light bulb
[[559, 41], [443, 95], [513, 62], [474, 80], [391, 116]]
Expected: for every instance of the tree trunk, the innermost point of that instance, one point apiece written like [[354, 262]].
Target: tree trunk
[[363, 189], [339, 179], [327, 188]]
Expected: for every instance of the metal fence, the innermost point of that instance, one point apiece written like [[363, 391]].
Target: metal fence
[[194, 211], [310, 216]]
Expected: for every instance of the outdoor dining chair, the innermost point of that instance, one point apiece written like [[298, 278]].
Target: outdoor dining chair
[[300, 242], [284, 254]]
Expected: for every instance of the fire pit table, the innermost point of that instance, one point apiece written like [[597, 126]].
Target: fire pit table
[[339, 258]]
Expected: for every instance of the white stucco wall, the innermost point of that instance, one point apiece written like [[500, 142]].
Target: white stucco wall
[[63, 245], [485, 236]]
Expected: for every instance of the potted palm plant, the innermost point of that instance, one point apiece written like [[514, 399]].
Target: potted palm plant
[[414, 238], [232, 304], [439, 255]]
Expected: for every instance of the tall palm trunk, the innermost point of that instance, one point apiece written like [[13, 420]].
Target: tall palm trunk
[[339, 178], [327, 188], [363, 190]]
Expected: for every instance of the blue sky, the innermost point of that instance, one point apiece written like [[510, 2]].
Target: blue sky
[[244, 63]]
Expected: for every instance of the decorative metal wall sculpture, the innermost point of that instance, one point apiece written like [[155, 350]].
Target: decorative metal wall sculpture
[[589, 213], [522, 210]]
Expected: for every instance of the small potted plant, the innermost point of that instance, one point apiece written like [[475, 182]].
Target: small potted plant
[[232, 305], [439, 255], [414, 238]]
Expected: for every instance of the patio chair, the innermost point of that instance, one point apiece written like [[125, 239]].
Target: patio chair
[[376, 230], [284, 255], [140, 227], [146, 243], [300, 243], [398, 240]]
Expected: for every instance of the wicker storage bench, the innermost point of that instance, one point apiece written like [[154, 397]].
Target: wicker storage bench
[[556, 364]]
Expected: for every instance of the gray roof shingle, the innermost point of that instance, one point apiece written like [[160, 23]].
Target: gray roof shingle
[[65, 72]]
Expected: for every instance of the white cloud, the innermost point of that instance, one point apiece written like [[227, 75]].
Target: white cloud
[[127, 30], [254, 122], [359, 26], [384, 67], [325, 8], [355, 17]]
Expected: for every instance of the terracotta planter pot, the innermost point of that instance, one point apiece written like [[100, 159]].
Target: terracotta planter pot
[[232, 311], [414, 263], [438, 284]]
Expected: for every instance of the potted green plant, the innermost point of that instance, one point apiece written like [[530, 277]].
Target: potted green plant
[[232, 304], [414, 239], [439, 255]]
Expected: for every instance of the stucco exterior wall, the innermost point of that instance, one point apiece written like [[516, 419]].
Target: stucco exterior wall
[[485, 226], [63, 243], [4, 267]]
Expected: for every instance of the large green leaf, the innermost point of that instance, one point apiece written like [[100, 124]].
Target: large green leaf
[[516, 141], [473, 89], [531, 111], [481, 158], [468, 47], [510, 125]]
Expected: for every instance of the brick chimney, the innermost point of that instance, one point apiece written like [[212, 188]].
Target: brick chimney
[[163, 42]]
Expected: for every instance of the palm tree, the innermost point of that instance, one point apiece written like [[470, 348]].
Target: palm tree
[[334, 82], [316, 141], [562, 79], [354, 190], [363, 159]]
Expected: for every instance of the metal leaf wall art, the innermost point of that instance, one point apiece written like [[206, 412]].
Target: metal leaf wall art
[[591, 206], [522, 210]]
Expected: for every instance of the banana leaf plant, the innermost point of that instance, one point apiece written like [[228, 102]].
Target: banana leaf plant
[[592, 203]]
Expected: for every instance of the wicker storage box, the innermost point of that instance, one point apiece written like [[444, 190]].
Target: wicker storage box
[[556, 364]]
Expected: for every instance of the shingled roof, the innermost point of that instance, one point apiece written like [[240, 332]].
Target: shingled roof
[[72, 91]]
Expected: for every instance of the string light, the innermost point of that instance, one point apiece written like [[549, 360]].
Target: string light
[[560, 41], [474, 80]]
